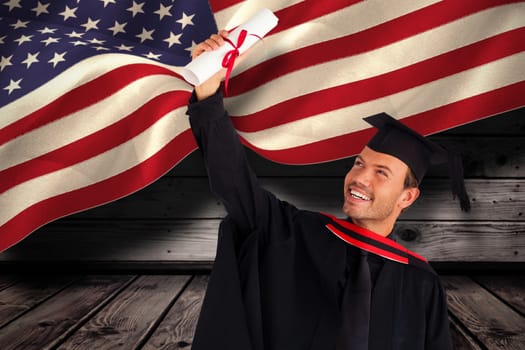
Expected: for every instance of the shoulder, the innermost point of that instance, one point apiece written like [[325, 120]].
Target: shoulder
[[427, 282], [424, 276]]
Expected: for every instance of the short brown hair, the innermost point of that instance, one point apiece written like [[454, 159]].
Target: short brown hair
[[410, 179]]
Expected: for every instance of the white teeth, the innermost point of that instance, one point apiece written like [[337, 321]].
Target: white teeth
[[359, 195]]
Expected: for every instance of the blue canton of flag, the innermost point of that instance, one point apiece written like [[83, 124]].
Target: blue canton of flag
[[40, 39]]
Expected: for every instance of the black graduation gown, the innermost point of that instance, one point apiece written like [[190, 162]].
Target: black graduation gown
[[278, 276]]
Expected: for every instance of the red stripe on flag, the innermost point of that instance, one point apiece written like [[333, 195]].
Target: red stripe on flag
[[97, 194], [308, 10], [432, 69], [288, 16], [381, 35], [81, 97], [462, 112], [96, 143], [446, 117]]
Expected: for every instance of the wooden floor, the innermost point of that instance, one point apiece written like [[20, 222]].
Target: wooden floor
[[160, 311]]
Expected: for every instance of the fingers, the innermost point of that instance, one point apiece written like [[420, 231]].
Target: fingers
[[212, 43], [210, 86], [224, 33]]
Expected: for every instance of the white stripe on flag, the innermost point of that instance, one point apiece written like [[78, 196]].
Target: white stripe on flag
[[238, 13], [96, 169], [364, 15], [432, 95], [87, 121], [79, 74], [369, 64]]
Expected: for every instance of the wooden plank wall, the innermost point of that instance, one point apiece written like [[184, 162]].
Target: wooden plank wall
[[173, 223]]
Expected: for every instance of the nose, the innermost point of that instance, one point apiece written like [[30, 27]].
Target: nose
[[363, 177]]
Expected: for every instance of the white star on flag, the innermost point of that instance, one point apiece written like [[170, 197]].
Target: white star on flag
[[163, 11], [117, 28], [186, 20], [136, 8], [50, 40], [31, 58], [20, 24], [173, 39], [22, 39], [13, 85], [69, 13], [74, 34], [47, 30], [5, 61], [153, 56], [57, 58], [40, 9], [79, 43], [91, 24], [12, 4], [123, 47], [145, 35]]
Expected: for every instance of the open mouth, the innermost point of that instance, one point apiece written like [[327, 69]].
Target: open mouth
[[359, 195]]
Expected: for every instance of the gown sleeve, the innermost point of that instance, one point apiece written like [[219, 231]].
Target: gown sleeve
[[230, 175], [438, 327]]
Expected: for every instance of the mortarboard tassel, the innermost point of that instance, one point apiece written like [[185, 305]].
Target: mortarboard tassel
[[455, 169]]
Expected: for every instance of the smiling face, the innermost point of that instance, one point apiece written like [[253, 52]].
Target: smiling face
[[374, 191]]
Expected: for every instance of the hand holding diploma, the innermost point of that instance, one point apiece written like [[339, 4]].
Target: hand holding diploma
[[210, 86], [211, 57]]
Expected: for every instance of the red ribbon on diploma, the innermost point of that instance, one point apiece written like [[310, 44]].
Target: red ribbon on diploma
[[228, 60]]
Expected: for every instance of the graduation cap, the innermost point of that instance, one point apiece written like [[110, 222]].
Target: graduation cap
[[419, 153]]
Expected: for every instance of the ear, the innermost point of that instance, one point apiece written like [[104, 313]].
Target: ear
[[408, 197]]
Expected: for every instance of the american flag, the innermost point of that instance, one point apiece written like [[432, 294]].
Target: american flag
[[92, 108]]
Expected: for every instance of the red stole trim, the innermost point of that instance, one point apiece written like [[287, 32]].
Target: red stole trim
[[372, 242]]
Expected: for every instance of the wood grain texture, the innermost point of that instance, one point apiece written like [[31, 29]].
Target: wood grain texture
[[122, 240], [160, 312], [58, 316], [7, 280], [29, 292], [185, 198], [126, 321], [509, 288], [466, 241], [460, 338], [177, 329], [485, 316], [196, 240]]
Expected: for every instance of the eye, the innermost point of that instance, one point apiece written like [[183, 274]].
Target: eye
[[358, 163], [382, 173]]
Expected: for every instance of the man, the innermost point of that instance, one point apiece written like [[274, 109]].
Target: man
[[286, 278]]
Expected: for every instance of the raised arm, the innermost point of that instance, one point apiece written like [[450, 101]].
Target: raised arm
[[210, 86], [230, 176]]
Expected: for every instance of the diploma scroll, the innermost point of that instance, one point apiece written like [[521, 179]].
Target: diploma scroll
[[208, 63]]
